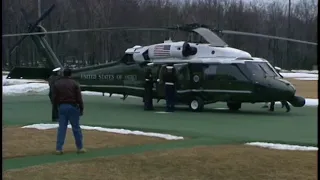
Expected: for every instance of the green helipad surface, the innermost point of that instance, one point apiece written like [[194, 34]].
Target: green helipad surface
[[214, 126]]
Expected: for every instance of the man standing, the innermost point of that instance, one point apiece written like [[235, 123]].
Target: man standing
[[148, 104], [283, 103], [170, 90], [52, 79], [68, 98]]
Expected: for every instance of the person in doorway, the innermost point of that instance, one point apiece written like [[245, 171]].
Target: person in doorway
[[148, 86], [52, 79], [170, 90], [67, 97], [283, 103]]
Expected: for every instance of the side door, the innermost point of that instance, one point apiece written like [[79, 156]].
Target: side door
[[212, 82], [232, 82], [183, 77], [196, 75]]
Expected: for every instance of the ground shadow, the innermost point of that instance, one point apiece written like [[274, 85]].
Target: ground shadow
[[180, 108]]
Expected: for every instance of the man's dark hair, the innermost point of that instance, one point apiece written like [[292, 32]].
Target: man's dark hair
[[67, 72]]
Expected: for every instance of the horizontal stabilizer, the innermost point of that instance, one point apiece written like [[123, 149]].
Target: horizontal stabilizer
[[29, 73]]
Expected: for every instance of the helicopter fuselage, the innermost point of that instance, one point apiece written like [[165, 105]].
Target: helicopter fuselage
[[213, 81]]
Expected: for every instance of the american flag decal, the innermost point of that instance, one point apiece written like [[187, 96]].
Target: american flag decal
[[162, 50]]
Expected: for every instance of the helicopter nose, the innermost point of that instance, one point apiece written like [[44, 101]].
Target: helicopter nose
[[286, 90]]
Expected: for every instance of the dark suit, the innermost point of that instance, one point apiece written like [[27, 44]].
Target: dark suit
[[54, 112], [148, 85], [170, 89]]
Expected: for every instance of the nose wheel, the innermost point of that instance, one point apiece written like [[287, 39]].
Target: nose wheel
[[196, 104]]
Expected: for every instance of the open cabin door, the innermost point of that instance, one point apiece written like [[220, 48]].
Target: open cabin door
[[183, 79]]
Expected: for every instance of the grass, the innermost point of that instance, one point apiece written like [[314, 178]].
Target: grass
[[298, 126], [113, 157], [230, 162], [20, 142], [307, 89]]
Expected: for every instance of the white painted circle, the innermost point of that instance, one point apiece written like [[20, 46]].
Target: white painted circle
[[162, 112], [196, 78], [221, 108], [194, 104]]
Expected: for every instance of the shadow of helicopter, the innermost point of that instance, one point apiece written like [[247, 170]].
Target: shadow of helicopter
[[160, 108]]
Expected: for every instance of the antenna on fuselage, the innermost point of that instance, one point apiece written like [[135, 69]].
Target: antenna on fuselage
[[168, 41]]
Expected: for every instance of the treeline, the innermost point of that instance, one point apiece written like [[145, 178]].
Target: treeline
[[98, 47]]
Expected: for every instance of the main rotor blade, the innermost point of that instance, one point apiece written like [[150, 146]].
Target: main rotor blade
[[267, 36], [45, 14], [16, 45], [25, 16], [87, 30], [32, 28]]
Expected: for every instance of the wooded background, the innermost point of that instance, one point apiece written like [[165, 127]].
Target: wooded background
[[85, 48]]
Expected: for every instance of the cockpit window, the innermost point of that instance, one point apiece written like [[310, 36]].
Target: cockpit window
[[261, 69]]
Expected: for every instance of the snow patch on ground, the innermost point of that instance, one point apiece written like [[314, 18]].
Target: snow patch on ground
[[306, 71], [307, 79], [282, 146], [118, 131], [162, 112], [309, 102], [220, 108], [8, 82], [299, 75], [312, 102], [21, 88], [29, 89]]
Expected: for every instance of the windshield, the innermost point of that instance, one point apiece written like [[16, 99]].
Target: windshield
[[262, 68]]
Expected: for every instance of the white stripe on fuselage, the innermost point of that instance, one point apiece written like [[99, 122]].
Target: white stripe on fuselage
[[178, 91]]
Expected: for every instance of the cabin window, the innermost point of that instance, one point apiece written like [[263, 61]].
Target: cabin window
[[260, 69], [128, 59], [210, 71], [269, 71], [229, 72]]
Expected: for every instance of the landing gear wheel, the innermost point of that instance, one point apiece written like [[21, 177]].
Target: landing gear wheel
[[196, 104], [234, 106]]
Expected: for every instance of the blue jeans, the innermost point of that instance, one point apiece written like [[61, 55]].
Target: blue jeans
[[68, 112]]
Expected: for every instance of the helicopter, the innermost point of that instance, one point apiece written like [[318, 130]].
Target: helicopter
[[207, 72]]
